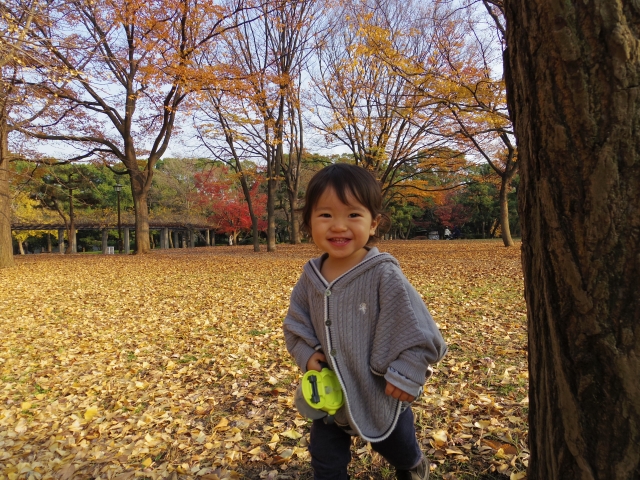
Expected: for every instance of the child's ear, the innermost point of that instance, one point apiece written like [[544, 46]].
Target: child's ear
[[374, 224]]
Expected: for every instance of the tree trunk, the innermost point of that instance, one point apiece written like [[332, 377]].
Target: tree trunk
[[6, 242], [273, 177], [140, 191], [71, 231], [572, 70], [252, 215], [295, 226], [283, 206], [505, 181]]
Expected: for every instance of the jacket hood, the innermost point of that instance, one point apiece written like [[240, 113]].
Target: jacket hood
[[372, 258]]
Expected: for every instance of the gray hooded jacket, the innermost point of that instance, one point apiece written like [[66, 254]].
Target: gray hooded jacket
[[373, 327]]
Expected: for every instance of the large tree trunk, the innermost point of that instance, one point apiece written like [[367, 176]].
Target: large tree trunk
[[140, 191], [572, 72], [6, 244]]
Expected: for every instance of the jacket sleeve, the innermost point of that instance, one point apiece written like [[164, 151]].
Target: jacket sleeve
[[407, 339], [299, 335]]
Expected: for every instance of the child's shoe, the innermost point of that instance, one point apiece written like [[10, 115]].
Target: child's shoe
[[420, 472]]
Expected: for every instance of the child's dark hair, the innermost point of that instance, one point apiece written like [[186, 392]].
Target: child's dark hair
[[344, 178]]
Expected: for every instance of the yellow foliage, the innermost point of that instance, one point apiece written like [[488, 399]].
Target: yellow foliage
[[24, 209]]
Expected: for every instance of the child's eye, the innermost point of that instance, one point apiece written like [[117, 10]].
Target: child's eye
[[354, 215], [325, 215]]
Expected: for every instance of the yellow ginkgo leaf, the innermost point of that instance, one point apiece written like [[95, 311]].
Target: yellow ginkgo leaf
[[292, 434], [90, 413], [440, 437]]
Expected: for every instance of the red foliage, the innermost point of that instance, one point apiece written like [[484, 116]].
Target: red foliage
[[222, 197], [450, 213]]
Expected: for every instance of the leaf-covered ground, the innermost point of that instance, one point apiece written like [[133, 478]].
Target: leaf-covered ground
[[173, 365]]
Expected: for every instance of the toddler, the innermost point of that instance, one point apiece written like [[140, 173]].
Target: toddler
[[354, 310]]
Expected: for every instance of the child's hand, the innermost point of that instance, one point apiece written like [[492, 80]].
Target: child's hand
[[395, 392], [314, 361]]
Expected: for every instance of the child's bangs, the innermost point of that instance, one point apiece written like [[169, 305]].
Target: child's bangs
[[344, 186]]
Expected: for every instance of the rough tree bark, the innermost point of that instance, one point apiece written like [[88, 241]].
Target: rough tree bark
[[140, 185], [573, 70], [6, 244]]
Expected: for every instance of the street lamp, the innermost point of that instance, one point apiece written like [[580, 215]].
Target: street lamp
[[118, 188]]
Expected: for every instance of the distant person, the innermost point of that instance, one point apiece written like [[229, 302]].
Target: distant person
[[354, 310], [447, 233], [230, 240], [457, 233]]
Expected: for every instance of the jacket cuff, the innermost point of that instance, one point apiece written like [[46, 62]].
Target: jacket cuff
[[302, 353], [403, 383]]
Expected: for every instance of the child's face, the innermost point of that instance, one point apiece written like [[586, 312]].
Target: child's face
[[338, 229]]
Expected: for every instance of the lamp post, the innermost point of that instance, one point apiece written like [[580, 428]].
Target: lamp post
[[118, 188]]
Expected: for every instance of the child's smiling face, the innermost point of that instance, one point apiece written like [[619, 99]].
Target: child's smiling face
[[341, 230]]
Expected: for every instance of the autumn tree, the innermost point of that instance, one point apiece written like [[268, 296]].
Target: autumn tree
[[292, 160], [26, 209], [258, 113], [467, 83], [218, 119], [126, 67], [388, 125], [225, 205], [16, 19], [476, 98], [173, 195], [477, 102], [572, 72]]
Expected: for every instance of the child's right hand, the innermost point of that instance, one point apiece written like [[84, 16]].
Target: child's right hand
[[314, 361]]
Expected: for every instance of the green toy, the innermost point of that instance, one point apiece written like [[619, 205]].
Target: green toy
[[322, 391]]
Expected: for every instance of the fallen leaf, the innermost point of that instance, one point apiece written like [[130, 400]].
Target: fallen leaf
[[291, 434], [90, 413], [440, 437]]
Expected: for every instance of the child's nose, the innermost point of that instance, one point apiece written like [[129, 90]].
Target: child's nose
[[338, 226]]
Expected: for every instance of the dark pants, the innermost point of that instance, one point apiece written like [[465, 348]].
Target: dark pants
[[330, 448]]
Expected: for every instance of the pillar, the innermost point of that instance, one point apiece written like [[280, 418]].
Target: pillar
[[125, 240], [48, 242], [176, 239], [208, 237], [61, 240], [164, 238], [74, 241], [105, 237], [192, 238]]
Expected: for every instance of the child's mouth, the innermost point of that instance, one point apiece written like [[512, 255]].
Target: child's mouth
[[339, 241]]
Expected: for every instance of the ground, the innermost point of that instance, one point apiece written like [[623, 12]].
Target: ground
[[173, 365]]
